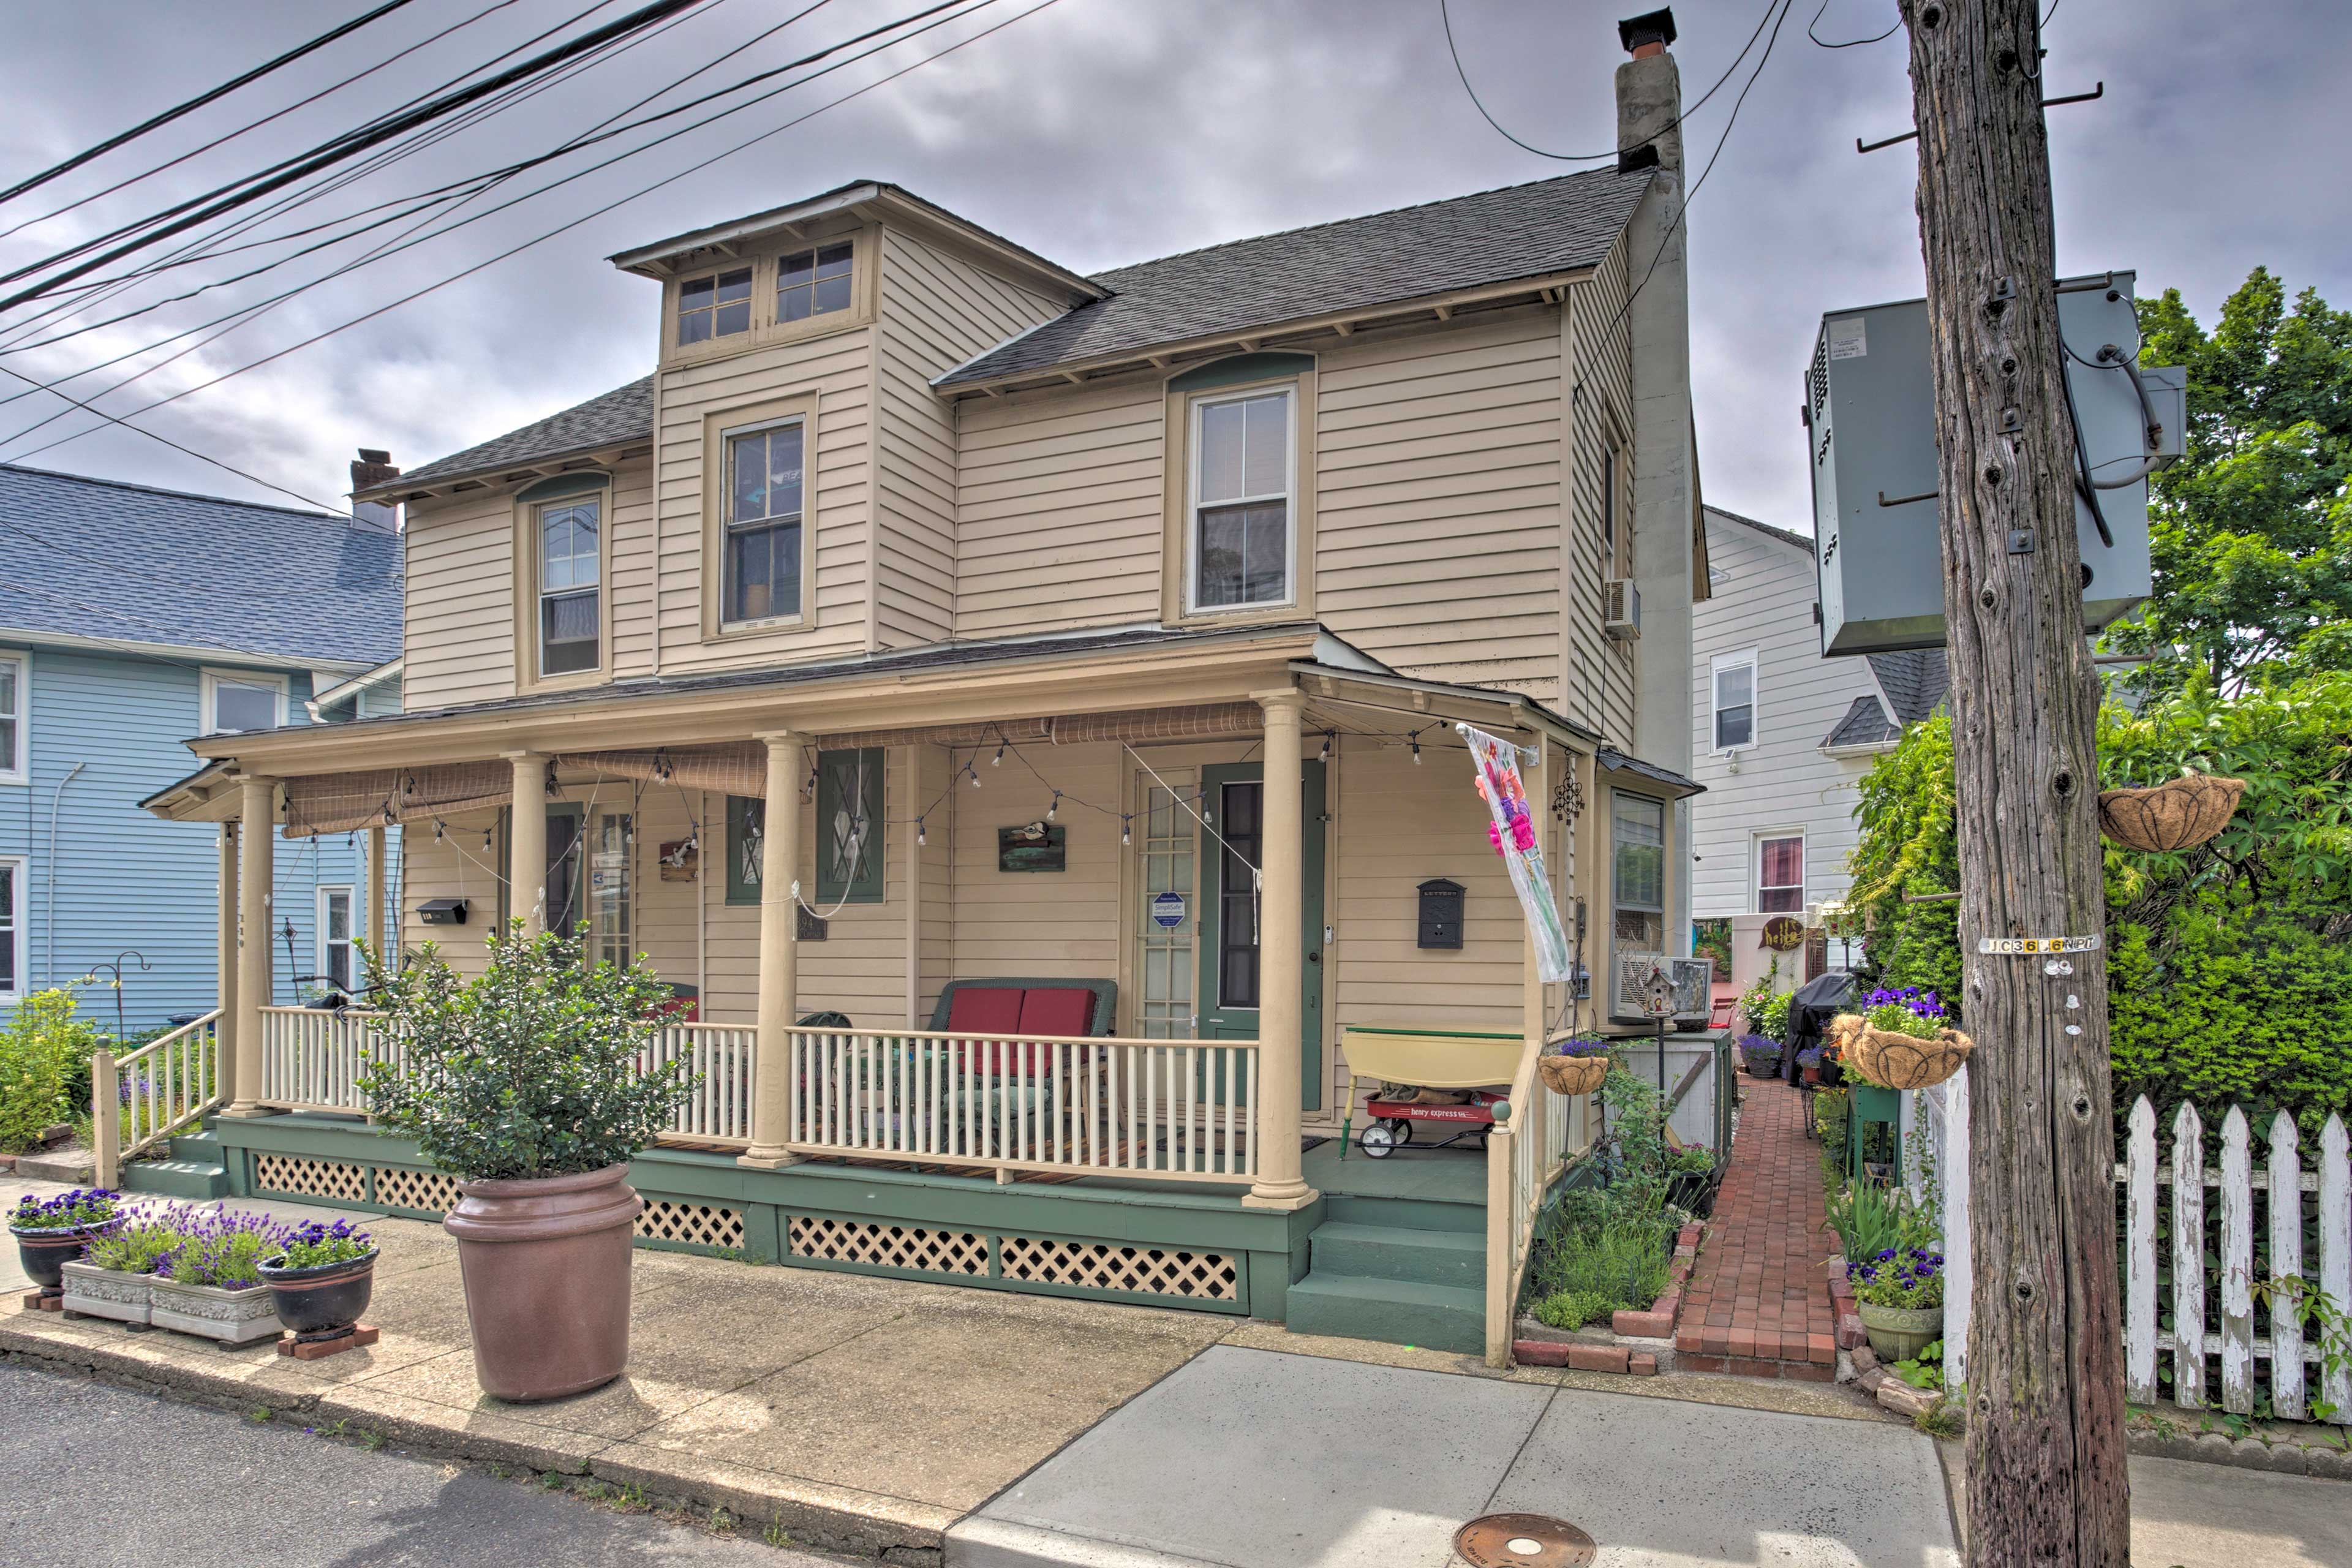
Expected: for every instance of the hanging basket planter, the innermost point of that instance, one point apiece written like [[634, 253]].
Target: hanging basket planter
[[2178, 813], [1572, 1074], [1897, 1060]]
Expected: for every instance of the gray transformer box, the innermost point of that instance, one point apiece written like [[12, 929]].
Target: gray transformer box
[[1870, 402]]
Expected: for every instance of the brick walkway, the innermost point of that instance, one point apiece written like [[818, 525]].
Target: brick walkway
[[1758, 1302]]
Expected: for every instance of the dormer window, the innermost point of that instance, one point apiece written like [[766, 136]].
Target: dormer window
[[813, 283], [717, 306], [1241, 500]]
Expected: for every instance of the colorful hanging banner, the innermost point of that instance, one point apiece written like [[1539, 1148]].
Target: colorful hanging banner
[[1513, 834]]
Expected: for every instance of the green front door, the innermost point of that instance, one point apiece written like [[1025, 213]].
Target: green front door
[[1234, 805]]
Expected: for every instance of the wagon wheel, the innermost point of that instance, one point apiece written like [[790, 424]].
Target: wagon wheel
[[1377, 1142], [1403, 1128]]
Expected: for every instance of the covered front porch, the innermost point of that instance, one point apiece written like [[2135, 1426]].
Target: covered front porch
[[1030, 971]]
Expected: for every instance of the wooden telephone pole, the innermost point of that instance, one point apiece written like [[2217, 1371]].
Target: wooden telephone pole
[[2047, 1487]]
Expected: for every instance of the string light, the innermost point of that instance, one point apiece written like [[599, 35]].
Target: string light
[[997, 761], [1126, 836], [1325, 755], [437, 827], [920, 838], [1415, 739], [973, 773]]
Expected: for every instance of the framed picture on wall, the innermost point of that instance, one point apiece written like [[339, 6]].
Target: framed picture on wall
[[1032, 847]]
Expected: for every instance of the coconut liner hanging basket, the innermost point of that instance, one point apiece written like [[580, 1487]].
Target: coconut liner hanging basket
[[2178, 813], [1572, 1074], [1896, 1060]]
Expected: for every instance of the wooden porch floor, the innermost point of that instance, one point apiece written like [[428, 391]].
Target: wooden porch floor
[[1456, 1175]]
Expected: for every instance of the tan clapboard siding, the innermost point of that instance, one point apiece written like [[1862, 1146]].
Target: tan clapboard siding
[[936, 312], [1437, 500], [1060, 502], [935, 786], [665, 911], [1597, 674], [634, 555], [453, 864], [1054, 925], [458, 632], [837, 368]]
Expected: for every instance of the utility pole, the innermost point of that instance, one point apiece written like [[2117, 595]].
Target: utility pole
[[2047, 1486]]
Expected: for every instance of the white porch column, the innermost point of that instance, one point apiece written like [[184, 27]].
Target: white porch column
[[527, 842], [256, 836], [225, 1032], [779, 858], [374, 930], [1282, 959]]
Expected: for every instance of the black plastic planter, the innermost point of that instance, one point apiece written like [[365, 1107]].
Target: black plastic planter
[[323, 1301], [44, 1254]]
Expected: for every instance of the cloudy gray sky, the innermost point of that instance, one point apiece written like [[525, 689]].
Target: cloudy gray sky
[[1099, 133]]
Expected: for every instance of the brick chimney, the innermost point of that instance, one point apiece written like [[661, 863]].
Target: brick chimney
[[372, 469], [1667, 546]]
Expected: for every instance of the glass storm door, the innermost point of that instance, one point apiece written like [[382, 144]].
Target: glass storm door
[[1230, 906], [1165, 1006]]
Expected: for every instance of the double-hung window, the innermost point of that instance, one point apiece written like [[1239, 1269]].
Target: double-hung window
[[12, 689], [762, 543], [11, 929], [1243, 482], [1734, 701], [1780, 874], [570, 567], [1637, 872], [339, 964], [813, 283], [235, 704], [718, 306]]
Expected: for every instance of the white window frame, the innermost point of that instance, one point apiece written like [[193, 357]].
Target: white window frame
[[215, 679], [1197, 453], [1724, 662], [319, 933], [17, 936], [801, 589], [16, 768], [541, 592], [1757, 839]]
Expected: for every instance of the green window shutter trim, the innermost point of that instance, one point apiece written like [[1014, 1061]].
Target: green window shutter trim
[[849, 803], [746, 821]]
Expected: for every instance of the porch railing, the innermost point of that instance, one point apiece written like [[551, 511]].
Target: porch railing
[[1525, 1155], [721, 1058], [140, 1099], [1165, 1109]]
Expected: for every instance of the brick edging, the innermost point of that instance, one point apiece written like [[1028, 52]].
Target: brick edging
[[1637, 1342]]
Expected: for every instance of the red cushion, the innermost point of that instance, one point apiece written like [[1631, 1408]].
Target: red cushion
[[1058, 1010], [985, 1009]]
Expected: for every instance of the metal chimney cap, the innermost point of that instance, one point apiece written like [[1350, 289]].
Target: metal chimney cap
[[1650, 27]]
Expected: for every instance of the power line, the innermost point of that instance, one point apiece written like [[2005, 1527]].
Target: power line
[[1849, 43], [598, 212], [1445, 15], [143, 126]]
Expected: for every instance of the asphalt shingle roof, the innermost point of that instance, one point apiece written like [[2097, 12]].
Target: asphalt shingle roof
[[121, 563], [1803, 542], [1915, 681], [1519, 231], [1865, 724], [623, 413]]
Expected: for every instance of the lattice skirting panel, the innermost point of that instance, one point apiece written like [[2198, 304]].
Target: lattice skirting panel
[[427, 1192], [296, 1176], [694, 1225], [888, 1246], [1109, 1266]]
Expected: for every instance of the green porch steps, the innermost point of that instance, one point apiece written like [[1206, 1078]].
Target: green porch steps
[[194, 1170], [1400, 1270]]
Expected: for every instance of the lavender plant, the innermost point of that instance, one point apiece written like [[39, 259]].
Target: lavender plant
[[80, 1209], [224, 1249], [144, 1241]]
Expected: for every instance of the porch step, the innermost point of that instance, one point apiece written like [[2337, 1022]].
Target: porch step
[[199, 1146], [1404, 1213], [1453, 1258], [1395, 1311], [196, 1179]]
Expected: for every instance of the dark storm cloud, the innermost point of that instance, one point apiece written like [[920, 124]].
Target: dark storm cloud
[[1104, 132]]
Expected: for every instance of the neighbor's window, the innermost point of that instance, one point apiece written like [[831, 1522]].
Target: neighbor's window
[[13, 686], [763, 543], [1637, 872], [12, 929], [1780, 875], [1241, 499], [715, 306], [813, 283], [849, 827], [1734, 703], [237, 703], [569, 564], [338, 962]]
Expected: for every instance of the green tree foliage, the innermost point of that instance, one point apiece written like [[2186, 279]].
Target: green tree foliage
[[45, 1051]]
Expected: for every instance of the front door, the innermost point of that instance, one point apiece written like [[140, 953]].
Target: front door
[[1235, 802]]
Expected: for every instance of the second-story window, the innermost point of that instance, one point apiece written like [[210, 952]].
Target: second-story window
[[714, 307], [1734, 701], [762, 549], [569, 562], [1242, 475], [813, 283]]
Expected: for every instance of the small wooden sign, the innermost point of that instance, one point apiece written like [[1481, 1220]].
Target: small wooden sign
[[813, 928], [1032, 847], [1784, 933], [679, 860]]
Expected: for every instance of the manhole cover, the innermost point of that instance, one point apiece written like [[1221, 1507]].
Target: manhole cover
[[1523, 1541]]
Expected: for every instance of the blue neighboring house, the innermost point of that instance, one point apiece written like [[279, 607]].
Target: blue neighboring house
[[133, 619]]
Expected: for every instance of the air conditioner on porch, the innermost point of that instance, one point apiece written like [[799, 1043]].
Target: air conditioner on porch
[[1689, 981], [1620, 608]]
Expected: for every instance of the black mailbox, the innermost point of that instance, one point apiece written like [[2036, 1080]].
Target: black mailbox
[[442, 912], [1441, 913]]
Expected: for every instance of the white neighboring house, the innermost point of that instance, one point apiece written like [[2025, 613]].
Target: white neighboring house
[[1781, 737]]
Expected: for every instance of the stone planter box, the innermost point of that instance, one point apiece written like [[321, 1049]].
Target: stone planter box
[[1636, 1342], [95, 1293], [232, 1316]]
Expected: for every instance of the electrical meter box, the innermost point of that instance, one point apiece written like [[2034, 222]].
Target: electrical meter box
[[1870, 412]]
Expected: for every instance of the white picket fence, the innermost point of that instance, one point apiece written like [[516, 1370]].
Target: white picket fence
[[2214, 1310]]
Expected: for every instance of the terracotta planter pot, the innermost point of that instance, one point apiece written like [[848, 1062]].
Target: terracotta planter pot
[[546, 1269], [1899, 1333], [323, 1301]]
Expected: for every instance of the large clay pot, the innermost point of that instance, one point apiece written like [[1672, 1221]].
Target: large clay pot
[[546, 1268], [1900, 1333]]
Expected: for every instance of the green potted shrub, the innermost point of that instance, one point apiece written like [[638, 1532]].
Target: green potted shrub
[[115, 1275], [529, 1084], [51, 1232], [1899, 1292], [210, 1285]]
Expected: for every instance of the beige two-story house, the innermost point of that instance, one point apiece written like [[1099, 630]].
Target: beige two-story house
[[1019, 711]]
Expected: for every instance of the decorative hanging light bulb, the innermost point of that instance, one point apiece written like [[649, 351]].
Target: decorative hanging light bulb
[[1325, 755], [997, 761], [1055, 806], [973, 773], [437, 829], [1415, 739], [1126, 831], [920, 838]]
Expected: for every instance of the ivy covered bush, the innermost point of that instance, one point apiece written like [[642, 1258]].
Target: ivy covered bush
[[534, 1068]]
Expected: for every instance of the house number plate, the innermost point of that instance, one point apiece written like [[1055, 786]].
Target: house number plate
[[2037, 944]]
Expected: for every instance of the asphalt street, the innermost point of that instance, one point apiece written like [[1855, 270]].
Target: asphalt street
[[101, 1475]]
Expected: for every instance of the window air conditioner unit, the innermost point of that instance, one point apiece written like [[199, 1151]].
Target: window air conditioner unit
[[1621, 610], [1689, 981]]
